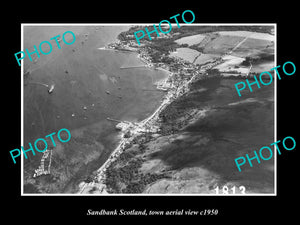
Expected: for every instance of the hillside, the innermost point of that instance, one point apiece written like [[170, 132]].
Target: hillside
[[205, 129], [196, 154]]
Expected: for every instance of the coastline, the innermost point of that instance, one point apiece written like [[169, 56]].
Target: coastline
[[150, 123], [99, 184], [176, 84]]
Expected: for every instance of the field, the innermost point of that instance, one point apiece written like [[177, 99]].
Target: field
[[254, 47], [204, 58], [264, 66], [255, 35], [191, 40], [222, 44], [192, 55], [232, 64], [186, 54], [207, 46], [213, 44]]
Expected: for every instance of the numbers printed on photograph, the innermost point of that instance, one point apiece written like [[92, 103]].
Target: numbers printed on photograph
[[232, 190]]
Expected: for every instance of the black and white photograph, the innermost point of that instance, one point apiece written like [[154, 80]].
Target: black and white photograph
[[159, 116], [135, 113]]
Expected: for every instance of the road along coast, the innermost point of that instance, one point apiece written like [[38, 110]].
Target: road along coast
[[174, 85]]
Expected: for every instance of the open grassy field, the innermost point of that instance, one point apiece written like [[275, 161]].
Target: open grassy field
[[254, 47], [204, 58], [232, 63], [185, 53], [193, 56], [264, 66], [222, 44], [253, 44], [191, 40], [200, 156], [255, 35]]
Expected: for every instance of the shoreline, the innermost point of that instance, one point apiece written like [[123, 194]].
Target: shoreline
[[150, 123], [100, 183], [140, 126]]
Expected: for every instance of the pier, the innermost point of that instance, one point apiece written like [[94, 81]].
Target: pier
[[129, 67], [114, 120], [119, 121], [161, 89]]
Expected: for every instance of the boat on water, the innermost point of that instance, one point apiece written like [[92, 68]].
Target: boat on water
[[51, 89]]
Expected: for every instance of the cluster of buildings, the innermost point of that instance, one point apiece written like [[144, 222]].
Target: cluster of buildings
[[144, 56], [123, 45], [41, 169]]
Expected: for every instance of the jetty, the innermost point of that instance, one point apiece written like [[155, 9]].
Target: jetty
[[114, 120], [129, 67], [161, 89]]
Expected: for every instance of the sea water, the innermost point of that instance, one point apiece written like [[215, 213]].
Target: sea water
[[90, 86]]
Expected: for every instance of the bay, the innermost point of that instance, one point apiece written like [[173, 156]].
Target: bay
[[90, 86]]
